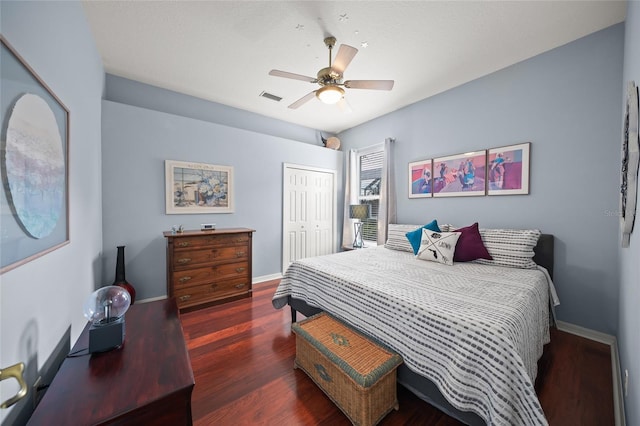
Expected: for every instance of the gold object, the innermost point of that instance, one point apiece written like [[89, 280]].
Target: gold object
[[16, 371]]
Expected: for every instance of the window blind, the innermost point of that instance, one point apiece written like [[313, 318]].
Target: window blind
[[370, 177]]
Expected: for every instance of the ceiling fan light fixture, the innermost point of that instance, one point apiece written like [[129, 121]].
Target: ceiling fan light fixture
[[330, 94]]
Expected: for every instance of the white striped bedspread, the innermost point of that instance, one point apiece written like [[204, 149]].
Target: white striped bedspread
[[476, 331]]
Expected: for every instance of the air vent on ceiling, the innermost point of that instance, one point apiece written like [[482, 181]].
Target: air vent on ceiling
[[270, 96]]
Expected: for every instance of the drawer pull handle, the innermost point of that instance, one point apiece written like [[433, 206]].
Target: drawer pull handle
[[240, 254], [185, 297], [239, 285], [184, 260], [183, 244], [240, 269], [184, 279]]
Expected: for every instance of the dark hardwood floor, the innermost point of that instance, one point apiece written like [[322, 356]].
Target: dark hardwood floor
[[242, 356]]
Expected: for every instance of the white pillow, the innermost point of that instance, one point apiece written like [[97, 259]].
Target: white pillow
[[396, 237], [512, 248], [438, 246]]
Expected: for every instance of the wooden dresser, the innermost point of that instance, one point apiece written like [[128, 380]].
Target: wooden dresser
[[208, 267]]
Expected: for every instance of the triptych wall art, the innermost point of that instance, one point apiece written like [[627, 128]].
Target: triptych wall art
[[495, 171]]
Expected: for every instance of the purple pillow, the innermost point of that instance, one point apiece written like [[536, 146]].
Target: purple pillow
[[470, 246]]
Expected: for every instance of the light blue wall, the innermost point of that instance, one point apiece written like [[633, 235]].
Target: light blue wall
[[566, 102], [41, 299], [136, 142], [628, 335], [130, 92]]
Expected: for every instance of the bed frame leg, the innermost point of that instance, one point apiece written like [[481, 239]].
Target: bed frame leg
[[293, 315]]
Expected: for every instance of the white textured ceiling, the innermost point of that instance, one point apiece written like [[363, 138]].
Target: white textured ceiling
[[223, 50]]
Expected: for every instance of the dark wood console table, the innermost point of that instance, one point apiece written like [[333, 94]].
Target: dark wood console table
[[147, 381]]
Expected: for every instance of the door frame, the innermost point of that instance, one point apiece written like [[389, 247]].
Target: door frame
[[334, 216]]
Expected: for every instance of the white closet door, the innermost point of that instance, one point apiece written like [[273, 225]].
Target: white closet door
[[308, 213]]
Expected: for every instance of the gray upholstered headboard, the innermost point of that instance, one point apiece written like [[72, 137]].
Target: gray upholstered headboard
[[544, 252]]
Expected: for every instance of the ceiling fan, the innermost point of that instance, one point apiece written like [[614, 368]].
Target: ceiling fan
[[330, 79]]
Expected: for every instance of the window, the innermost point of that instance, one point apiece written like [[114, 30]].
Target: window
[[369, 179]]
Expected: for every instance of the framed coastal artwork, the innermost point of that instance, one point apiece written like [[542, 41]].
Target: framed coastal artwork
[[460, 175], [421, 179], [508, 170], [193, 188], [34, 204]]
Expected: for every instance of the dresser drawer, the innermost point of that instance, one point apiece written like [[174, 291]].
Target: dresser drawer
[[232, 270], [185, 243], [226, 288], [184, 259], [211, 291], [193, 295], [194, 276]]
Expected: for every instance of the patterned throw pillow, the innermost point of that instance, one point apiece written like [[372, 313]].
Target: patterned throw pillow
[[438, 246], [510, 247], [396, 237], [415, 236]]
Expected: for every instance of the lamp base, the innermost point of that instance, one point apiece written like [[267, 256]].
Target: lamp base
[[357, 232], [107, 336]]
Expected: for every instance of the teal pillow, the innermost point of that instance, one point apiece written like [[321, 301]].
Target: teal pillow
[[415, 236]]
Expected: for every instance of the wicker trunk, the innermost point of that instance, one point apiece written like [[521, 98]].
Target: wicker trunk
[[358, 375]]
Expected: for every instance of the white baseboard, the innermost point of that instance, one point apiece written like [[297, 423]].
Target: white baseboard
[[152, 299], [587, 333], [265, 278], [607, 339]]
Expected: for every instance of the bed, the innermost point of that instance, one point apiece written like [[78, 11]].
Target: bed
[[470, 334]]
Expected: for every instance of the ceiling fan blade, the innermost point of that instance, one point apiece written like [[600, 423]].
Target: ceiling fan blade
[[278, 73], [369, 84], [343, 58], [303, 100], [344, 106]]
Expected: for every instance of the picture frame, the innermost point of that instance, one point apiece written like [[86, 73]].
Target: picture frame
[[460, 175], [198, 188], [630, 164], [34, 204], [508, 169], [421, 179]]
